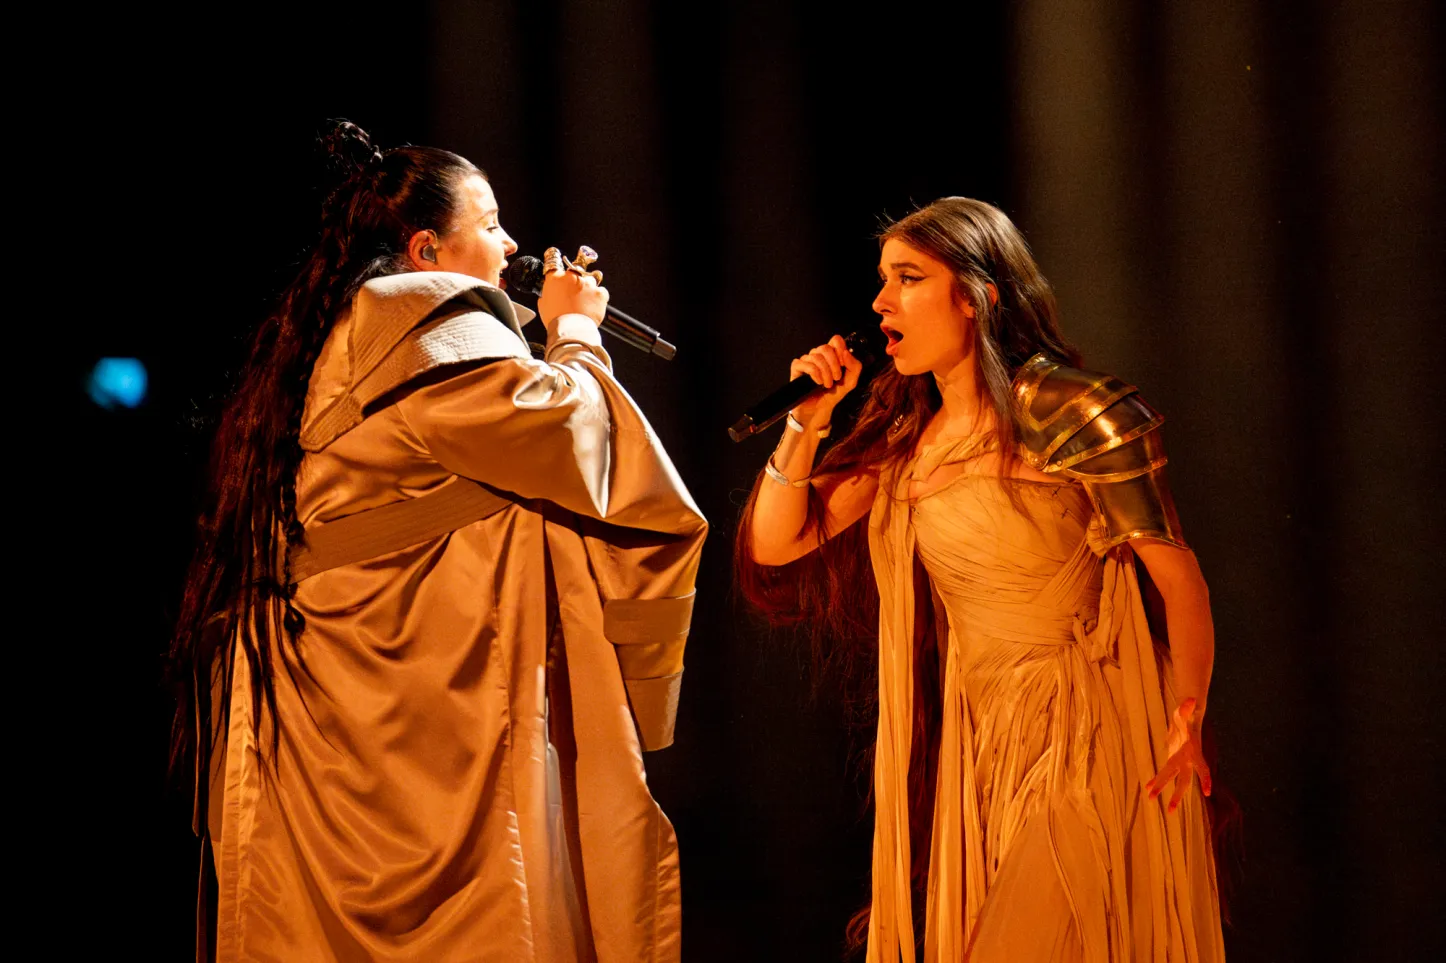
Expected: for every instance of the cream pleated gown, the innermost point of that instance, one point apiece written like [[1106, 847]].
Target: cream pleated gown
[[1055, 711]]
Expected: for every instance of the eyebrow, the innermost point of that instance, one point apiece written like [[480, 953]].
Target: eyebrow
[[900, 265], [487, 214]]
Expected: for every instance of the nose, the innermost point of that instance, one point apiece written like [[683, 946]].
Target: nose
[[884, 302], [509, 245]]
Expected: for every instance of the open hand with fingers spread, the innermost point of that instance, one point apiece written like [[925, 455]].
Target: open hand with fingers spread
[[833, 366], [1186, 759]]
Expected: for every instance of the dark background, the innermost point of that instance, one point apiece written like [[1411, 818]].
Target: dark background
[[1239, 205]]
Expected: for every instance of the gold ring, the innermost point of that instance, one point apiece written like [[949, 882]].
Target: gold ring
[[585, 257], [552, 260]]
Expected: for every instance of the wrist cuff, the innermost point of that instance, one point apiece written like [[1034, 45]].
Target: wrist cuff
[[574, 327], [797, 426]]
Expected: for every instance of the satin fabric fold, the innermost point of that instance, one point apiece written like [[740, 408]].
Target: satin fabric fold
[[1043, 846], [457, 775]]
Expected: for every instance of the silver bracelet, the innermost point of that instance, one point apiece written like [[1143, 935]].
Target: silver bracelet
[[797, 426], [781, 478]]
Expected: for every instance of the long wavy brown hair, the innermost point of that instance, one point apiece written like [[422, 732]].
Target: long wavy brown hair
[[238, 590], [822, 592], [829, 595]]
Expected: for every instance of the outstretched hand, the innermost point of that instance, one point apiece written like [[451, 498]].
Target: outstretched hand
[[1186, 759]]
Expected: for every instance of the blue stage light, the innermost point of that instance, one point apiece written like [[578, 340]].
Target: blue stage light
[[118, 383]]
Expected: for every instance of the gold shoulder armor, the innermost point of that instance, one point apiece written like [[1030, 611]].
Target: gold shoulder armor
[[1097, 429]]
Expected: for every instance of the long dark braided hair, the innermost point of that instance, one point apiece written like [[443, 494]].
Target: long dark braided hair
[[238, 589]]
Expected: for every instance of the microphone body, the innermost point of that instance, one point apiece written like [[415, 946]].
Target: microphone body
[[780, 402], [526, 273]]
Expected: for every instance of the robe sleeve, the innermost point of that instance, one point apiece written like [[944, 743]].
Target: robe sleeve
[[560, 429], [564, 431]]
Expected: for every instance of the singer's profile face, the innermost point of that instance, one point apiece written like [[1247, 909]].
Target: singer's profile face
[[928, 323], [475, 242]]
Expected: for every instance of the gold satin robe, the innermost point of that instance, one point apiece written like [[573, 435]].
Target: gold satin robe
[[1055, 712], [459, 773]]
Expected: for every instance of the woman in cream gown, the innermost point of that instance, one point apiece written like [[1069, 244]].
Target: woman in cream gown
[[1035, 771]]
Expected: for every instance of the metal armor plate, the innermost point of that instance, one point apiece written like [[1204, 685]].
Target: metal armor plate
[[1096, 428]]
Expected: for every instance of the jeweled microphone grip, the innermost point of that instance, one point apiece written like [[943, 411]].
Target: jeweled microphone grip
[[525, 273], [778, 404]]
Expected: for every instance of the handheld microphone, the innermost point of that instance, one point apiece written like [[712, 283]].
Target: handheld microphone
[[526, 273], [778, 404]]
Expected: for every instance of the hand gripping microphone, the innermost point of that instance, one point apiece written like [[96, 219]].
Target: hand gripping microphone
[[778, 404], [526, 273]]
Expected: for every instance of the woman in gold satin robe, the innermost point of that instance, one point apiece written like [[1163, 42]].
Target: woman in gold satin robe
[[437, 610], [1038, 775]]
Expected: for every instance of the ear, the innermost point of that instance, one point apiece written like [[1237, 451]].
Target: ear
[[993, 294], [422, 251], [963, 301]]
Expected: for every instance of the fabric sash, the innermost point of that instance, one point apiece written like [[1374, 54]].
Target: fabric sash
[[391, 528]]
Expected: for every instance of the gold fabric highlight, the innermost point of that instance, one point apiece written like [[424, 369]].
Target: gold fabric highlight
[[1054, 714], [459, 775]]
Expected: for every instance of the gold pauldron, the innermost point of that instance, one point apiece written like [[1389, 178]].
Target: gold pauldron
[[1128, 487], [1097, 429]]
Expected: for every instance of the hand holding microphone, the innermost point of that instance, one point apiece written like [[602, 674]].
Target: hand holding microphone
[[533, 276], [833, 367], [569, 288]]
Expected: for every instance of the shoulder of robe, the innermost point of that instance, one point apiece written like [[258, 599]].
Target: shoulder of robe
[[1096, 428], [405, 325]]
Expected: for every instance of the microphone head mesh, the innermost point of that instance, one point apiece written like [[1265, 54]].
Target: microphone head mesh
[[524, 273]]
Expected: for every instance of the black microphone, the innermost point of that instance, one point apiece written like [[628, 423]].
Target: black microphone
[[778, 404], [526, 273]]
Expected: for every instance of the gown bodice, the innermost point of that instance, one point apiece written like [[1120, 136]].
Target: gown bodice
[[1009, 558]]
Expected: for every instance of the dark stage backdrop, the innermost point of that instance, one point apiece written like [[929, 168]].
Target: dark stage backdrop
[[1239, 206]]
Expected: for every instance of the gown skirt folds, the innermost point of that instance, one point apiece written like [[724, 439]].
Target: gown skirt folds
[[1055, 713]]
